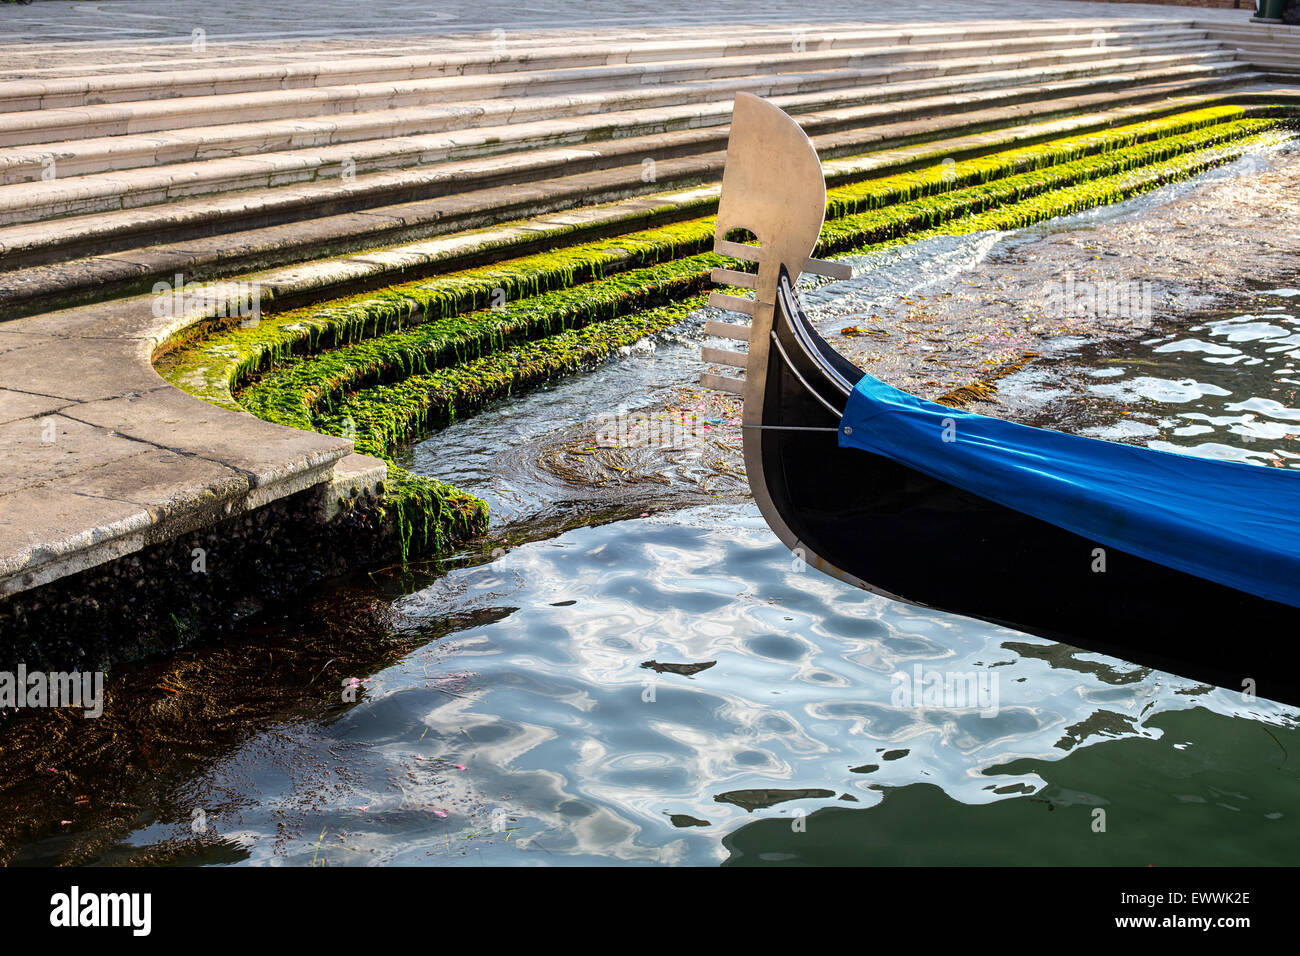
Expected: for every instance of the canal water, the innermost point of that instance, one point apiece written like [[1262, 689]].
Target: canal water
[[663, 684], [579, 737], [1226, 386]]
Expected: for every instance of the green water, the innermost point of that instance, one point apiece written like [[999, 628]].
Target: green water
[[521, 726]]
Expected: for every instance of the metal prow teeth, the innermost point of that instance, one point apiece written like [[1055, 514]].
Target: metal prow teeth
[[829, 268], [726, 357], [747, 253], [722, 383], [736, 250], [727, 330], [732, 303], [743, 280]]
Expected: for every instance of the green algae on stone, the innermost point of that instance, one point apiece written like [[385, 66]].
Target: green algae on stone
[[291, 393], [895, 215], [216, 367], [389, 414], [386, 367], [1086, 195], [1144, 142], [385, 416], [428, 514], [1088, 182]]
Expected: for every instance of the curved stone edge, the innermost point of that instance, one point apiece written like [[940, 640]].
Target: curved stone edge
[[105, 458]]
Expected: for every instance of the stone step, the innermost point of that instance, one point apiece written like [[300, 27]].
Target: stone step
[[110, 459], [1250, 32], [26, 127], [201, 250], [1271, 47], [1253, 46], [414, 167], [363, 66], [1270, 63], [491, 117], [84, 59]]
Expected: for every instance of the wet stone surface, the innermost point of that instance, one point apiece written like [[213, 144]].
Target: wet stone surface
[[949, 312]]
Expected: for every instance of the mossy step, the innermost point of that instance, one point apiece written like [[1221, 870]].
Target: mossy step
[[381, 417], [295, 390], [955, 188], [240, 244], [429, 511], [869, 212], [384, 416]]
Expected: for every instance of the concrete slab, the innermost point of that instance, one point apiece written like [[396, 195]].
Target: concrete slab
[[463, 25], [39, 450], [170, 419], [168, 484], [103, 457], [52, 530], [81, 369], [18, 405]]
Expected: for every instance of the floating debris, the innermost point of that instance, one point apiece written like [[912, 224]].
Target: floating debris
[[751, 800], [686, 670], [684, 820]]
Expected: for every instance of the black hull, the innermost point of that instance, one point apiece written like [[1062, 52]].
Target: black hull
[[924, 541]]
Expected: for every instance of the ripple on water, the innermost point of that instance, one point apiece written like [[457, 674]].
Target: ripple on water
[[1224, 385], [572, 751]]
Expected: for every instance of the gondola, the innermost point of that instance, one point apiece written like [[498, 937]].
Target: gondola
[[1178, 563]]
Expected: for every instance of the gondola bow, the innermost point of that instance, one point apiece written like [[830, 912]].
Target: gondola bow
[[1186, 564]]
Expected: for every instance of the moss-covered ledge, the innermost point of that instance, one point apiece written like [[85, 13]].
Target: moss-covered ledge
[[216, 364], [383, 368]]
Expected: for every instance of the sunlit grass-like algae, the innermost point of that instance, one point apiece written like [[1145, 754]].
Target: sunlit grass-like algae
[[387, 367]]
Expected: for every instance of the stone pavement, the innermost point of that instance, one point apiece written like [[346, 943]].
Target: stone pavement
[[102, 458], [117, 22]]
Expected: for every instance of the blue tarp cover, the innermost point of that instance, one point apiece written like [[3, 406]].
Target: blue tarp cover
[[1230, 522]]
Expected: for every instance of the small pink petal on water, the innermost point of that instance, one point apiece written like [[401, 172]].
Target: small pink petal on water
[[460, 766], [441, 813]]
